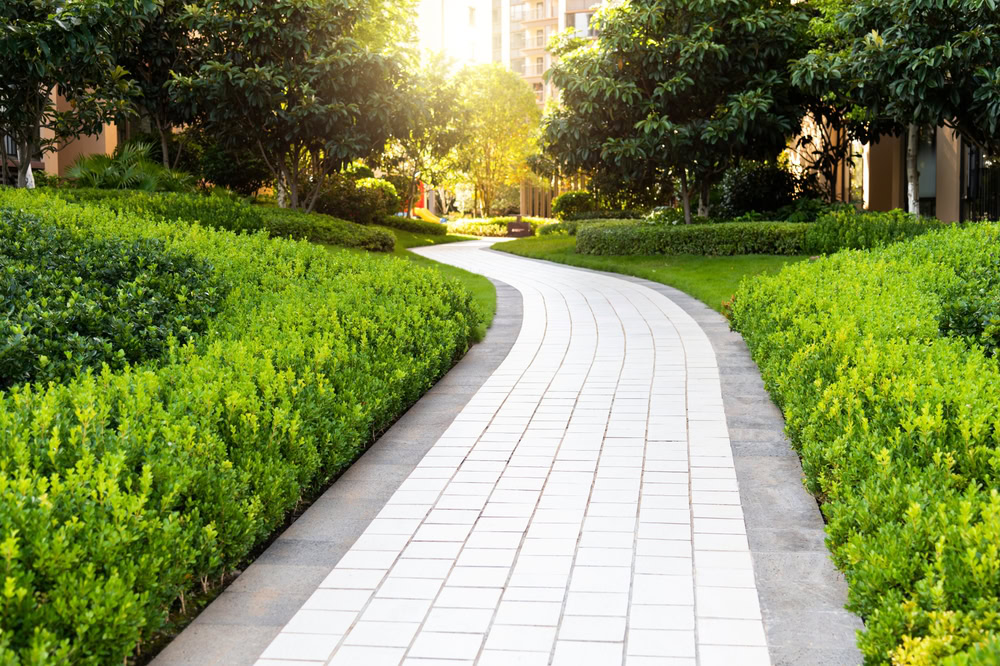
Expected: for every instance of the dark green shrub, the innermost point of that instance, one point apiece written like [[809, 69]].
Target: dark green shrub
[[897, 420], [845, 227], [73, 303], [759, 186], [319, 228], [125, 489], [620, 237], [629, 214], [571, 203], [243, 172], [365, 201], [415, 225]]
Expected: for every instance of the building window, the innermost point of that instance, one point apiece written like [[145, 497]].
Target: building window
[[580, 23], [539, 65], [539, 91], [517, 40], [517, 65], [539, 10], [517, 12], [539, 38], [472, 17]]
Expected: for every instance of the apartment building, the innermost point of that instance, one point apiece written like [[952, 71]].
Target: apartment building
[[458, 28], [521, 32]]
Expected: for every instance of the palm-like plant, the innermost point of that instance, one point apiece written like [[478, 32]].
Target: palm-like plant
[[130, 167]]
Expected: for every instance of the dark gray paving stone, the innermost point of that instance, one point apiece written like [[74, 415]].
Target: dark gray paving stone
[[239, 625]]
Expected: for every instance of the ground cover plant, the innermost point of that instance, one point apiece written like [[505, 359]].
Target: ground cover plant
[[712, 280], [124, 488], [884, 364]]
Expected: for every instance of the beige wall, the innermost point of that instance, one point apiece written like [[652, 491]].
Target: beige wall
[[949, 175], [884, 187]]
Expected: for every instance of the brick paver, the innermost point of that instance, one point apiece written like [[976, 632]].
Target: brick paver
[[581, 509]]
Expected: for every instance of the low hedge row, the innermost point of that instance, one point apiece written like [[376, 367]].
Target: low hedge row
[[414, 225], [840, 228], [121, 490], [619, 237], [884, 365], [319, 228], [492, 226], [235, 214]]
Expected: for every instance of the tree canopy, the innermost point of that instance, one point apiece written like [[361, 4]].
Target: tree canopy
[[677, 88], [288, 76]]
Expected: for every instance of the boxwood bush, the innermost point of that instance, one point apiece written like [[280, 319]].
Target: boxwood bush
[[415, 225], [492, 226], [123, 489], [223, 211], [619, 237], [847, 228], [72, 302], [884, 365]]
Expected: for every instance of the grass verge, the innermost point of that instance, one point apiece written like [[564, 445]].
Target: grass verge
[[711, 280]]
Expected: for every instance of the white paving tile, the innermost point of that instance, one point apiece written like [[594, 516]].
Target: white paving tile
[[581, 510]]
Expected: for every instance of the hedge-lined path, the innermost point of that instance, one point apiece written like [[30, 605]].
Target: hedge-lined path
[[585, 507]]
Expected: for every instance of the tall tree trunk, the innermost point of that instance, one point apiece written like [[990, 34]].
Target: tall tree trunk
[[704, 189], [4, 180], [411, 193], [912, 173], [164, 131], [685, 196]]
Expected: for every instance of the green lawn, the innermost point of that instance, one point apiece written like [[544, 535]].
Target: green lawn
[[483, 293], [711, 280]]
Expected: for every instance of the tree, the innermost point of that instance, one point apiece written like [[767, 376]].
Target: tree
[[164, 48], [502, 129], [69, 46], [287, 77], [434, 124], [924, 64], [678, 89]]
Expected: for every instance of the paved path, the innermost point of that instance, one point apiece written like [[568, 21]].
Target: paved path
[[581, 509]]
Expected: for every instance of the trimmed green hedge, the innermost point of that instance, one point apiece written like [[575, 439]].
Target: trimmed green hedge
[[495, 227], [72, 302], [883, 364], [319, 228], [841, 228], [619, 237], [415, 225], [234, 214], [121, 490]]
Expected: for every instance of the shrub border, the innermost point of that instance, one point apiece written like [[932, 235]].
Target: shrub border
[[242, 621]]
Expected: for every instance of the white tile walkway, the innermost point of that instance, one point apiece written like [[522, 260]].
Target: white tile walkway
[[581, 510]]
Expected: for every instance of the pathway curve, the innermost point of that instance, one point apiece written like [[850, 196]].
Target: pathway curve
[[581, 509]]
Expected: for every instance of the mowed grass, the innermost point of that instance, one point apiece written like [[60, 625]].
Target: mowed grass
[[484, 294], [711, 280]]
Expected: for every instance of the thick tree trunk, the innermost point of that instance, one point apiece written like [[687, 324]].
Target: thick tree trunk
[[704, 205], [685, 196], [3, 158], [411, 193], [164, 145], [912, 173]]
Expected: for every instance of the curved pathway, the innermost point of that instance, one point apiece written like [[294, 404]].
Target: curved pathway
[[582, 508]]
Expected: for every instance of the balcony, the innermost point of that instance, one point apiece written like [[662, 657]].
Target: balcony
[[538, 16]]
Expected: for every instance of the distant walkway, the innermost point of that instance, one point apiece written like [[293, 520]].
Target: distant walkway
[[584, 508]]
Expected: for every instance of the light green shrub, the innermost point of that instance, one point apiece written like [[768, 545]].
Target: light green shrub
[[319, 228], [492, 226], [620, 237], [415, 225], [897, 421], [573, 202], [121, 490], [845, 227]]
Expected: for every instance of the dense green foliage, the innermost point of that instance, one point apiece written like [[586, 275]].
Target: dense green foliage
[[123, 489], [847, 228], [71, 302], [759, 186], [894, 407], [492, 226], [414, 225], [130, 167], [234, 214], [365, 200], [617, 237], [319, 228], [573, 202]]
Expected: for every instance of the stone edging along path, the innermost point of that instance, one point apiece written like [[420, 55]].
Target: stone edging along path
[[661, 408], [237, 626]]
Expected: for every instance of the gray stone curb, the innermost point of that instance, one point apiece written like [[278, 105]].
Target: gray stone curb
[[802, 594], [243, 620]]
